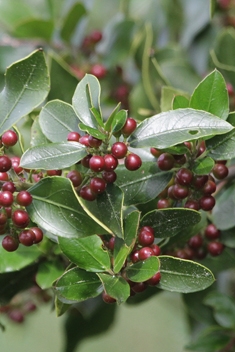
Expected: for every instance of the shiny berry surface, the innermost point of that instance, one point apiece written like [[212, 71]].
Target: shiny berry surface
[[94, 142], [107, 298], [9, 138], [145, 253], [207, 203], [54, 172], [220, 171], [119, 150], [110, 162], [73, 137], [154, 280], [9, 186], [129, 127], [97, 163], [10, 244], [156, 249], [27, 238], [84, 140], [5, 163], [76, 177], [4, 176], [196, 241], [24, 198], [165, 162], [20, 218], [184, 177], [87, 194], [98, 185], [38, 234], [109, 176], [145, 238], [215, 248], [192, 204], [6, 198], [212, 233]]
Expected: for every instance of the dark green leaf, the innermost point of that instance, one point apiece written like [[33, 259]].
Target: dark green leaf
[[53, 156], [86, 96], [119, 121], [48, 272], [37, 136], [87, 253], [56, 209], [211, 340], [203, 166], [92, 131], [34, 28], [27, 85], [57, 119], [78, 285], [17, 260], [169, 222], [60, 307], [120, 253], [107, 209], [143, 270], [180, 102], [223, 308], [177, 126], [73, 17], [96, 113], [227, 237], [142, 185], [108, 123], [179, 275], [116, 287], [223, 211], [222, 147], [211, 95]]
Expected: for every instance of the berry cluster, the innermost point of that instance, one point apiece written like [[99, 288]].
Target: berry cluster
[[200, 245], [101, 161], [141, 251], [194, 190]]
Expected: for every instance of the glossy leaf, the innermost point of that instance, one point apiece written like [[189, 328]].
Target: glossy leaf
[[87, 253], [78, 285], [57, 119], [119, 121], [143, 270], [60, 307], [120, 253], [222, 147], [116, 287], [27, 85], [56, 209], [107, 209], [180, 102], [168, 95], [223, 211], [211, 95], [34, 28], [108, 123], [96, 113], [37, 136], [169, 222], [143, 184], [53, 156], [86, 96], [177, 126], [48, 272], [179, 275], [17, 260], [71, 20], [210, 340], [92, 131], [203, 166]]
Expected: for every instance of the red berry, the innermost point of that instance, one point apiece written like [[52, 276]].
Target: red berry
[[84, 140], [9, 138], [38, 234], [195, 242], [154, 280], [24, 198], [211, 232], [97, 163], [180, 159], [215, 248], [110, 162], [184, 177], [96, 36], [165, 162], [73, 137], [3, 176], [15, 164], [134, 257], [8, 210], [155, 152], [139, 287], [86, 161], [5, 163], [133, 162], [16, 315], [107, 298], [207, 203], [145, 238], [94, 142], [75, 177], [99, 71], [109, 176], [220, 171], [97, 185], [27, 238], [87, 194], [163, 204], [20, 218], [3, 219], [200, 253], [192, 204], [111, 243], [199, 181], [10, 244], [182, 254], [202, 148], [119, 150], [229, 85], [171, 193], [209, 187], [54, 172], [6, 198], [156, 249], [180, 192], [145, 253], [129, 127], [9, 186], [147, 228]]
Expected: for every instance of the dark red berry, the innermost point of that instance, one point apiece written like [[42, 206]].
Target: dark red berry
[[111, 243], [6, 198], [224, 162], [54, 172], [155, 152], [133, 162], [9, 186], [73, 137], [97, 163], [165, 162], [145, 253], [110, 162], [184, 177], [86, 161], [124, 275], [5, 163], [202, 148], [3, 176], [129, 127], [180, 159], [220, 171], [38, 234], [97, 185], [212, 233], [147, 228], [9, 138], [171, 193], [195, 242], [188, 144], [134, 256], [99, 71], [27, 238], [180, 192], [87, 194], [119, 150], [156, 249], [16, 315], [207, 203], [84, 140], [10, 244], [154, 280], [8, 211], [3, 218], [75, 177], [139, 287], [215, 248], [182, 254], [190, 253], [15, 164], [199, 181], [20, 218], [163, 204], [192, 204], [200, 253], [107, 298], [145, 238], [24, 198], [109, 176], [209, 188], [94, 142]]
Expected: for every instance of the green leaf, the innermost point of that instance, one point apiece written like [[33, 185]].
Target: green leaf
[[48, 272], [27, 85], [96, 113], [71, 20], [116, 287], [213, 339], [228, 238], [106, 209], [212, 7], [17, 260], [34, 28], [142, 185], [203, 166], [37, 136], [180, 102], [87, 253], [53, 156], [120, 253], [77, 285], [223, 308], [168, 95], [223, 211], [87, 96], [177, 126], [169, 222], [119, 121], [57, 119], [211, 95], [222, 147], [92, 131], [108, 123], [179, 275], [56, 209], [143, 270], [60, 307]]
